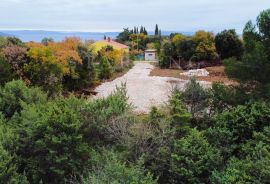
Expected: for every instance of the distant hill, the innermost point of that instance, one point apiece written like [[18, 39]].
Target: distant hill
[[4, 34], [38, 35]]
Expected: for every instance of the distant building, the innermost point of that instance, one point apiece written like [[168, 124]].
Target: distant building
[[150, 55], [109, 42]]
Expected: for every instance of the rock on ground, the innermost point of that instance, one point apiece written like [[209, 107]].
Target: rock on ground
[[197, 72], [144, 91]]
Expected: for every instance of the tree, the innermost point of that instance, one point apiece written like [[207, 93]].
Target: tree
[[156, 30], [45, 41], [124, 36], [205, 45], [16, 56], [44, 70], [195, 97], [252, 70], [193, 159], [51, 148], [15, 41], [264, 29], [105, 69], [6, 71], [228, 44], [180, 116]]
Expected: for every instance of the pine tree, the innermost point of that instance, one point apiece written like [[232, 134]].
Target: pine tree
[[156, 30]]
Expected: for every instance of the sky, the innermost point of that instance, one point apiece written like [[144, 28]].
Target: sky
[[114, 15]]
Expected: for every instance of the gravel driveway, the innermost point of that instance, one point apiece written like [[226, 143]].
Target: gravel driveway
[[144, 91]]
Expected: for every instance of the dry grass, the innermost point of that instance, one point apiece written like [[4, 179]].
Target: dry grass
[[216, 74]]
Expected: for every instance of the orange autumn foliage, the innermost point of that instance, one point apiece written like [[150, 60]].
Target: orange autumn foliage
[[64, 52]]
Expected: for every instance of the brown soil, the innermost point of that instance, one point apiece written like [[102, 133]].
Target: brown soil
[[216, 74]]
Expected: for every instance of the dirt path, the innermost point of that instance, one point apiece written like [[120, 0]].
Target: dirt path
[[143, 90]]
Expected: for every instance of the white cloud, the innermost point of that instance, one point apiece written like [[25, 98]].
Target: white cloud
[[92, 15]]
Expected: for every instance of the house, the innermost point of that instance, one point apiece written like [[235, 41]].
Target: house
[[109, 42], [150, 55]]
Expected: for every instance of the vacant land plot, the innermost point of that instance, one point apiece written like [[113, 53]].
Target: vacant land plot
[[216, 74], [144, 91]]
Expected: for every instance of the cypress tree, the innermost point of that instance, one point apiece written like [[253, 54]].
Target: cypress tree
[[156, 30], [141, 30]]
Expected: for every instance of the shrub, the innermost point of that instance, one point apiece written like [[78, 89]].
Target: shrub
[[6, 72], [43, 70], [16, 57], [232, 128], [105, 69], [196, 97], [110, 169], [96, 114], [15, 93], [51, 148], [193, 159]]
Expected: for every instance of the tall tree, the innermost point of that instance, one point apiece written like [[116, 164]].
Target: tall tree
[[141, 29], [254, 67], [156, 30], [228, 44]]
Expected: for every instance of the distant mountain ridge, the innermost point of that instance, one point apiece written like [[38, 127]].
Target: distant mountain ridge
[[38, 35]]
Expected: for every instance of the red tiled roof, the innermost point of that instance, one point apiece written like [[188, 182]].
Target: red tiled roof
[[116, 44]]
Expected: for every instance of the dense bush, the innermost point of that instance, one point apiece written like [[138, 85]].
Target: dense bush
[[109, 168], [230, 129], [105, 69], [6, 72], [193, 159], [51, 148], [15, 94]]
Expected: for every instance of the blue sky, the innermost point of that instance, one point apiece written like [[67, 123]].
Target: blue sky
[[113, 15]]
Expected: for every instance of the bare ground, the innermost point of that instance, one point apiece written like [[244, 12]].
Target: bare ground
[[143, 90]]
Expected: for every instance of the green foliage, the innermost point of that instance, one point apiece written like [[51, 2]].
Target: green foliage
[[105, 69], [263, 21], [51, 148], [228, 44], [223, 97], [124, 36], [15, 41], [252, 70], [193, 159], [247, 69], [6, 72], [254, 165], [45, 41], [196, 97], [98, 113], [180, 116], [109, 168], [14, 94], [8, 165], [232, 128], [85, 70]]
